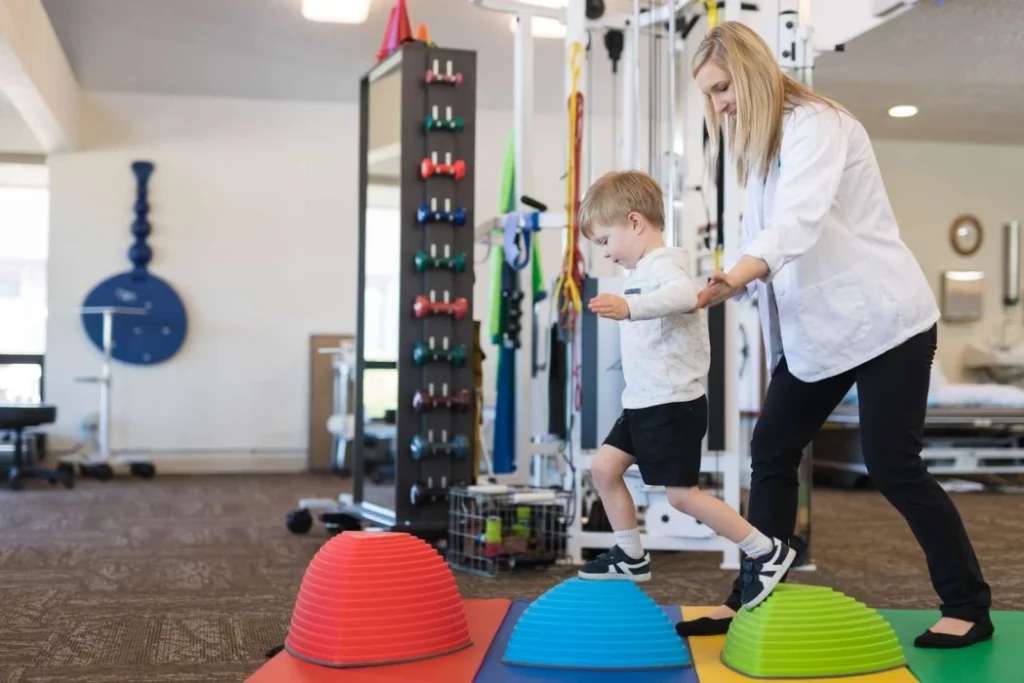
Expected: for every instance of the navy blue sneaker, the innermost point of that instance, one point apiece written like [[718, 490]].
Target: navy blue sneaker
[[762, 574], [616, 565]]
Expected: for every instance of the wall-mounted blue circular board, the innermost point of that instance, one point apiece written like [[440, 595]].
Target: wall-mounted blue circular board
[[158, 334]]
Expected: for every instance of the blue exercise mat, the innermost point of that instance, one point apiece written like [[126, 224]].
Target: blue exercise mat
[[493, 671]]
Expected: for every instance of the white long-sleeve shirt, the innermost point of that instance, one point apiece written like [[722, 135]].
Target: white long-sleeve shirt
[[666, 351], [842, 286]]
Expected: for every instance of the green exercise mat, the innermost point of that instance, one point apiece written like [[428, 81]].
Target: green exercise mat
[[1000, 660]]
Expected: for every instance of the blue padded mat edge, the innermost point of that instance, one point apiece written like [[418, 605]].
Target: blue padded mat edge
[[493, 671]]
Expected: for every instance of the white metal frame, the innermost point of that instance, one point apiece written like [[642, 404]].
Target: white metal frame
[[577, 25], [95, 452], [728, 463]]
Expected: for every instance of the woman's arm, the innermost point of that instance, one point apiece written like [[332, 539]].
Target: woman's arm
[[813, 157], [724, 286], [720, 285], [747, 233]]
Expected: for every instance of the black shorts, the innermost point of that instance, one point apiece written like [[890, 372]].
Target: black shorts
[[666, 441]]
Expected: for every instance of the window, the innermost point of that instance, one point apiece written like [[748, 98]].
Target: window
[[21, 378], [380, 388], [24, 248]]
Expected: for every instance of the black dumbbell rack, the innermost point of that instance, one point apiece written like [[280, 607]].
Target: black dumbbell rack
[[434, 434]]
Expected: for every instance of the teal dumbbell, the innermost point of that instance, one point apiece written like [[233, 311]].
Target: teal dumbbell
[[422, 354], [454, 124], [424, 262], [458, 447]]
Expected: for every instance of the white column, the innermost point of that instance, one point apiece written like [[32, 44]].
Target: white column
[[35, 75], [575, 31], [805, 44], [522, 104], [671, 167], [523, 86], [731, 219], [575, 23], [731, 235], [628, 103]]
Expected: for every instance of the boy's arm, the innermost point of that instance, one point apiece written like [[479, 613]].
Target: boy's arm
[[677, 294]]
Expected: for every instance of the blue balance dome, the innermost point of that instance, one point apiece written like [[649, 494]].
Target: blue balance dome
[[588, 624]]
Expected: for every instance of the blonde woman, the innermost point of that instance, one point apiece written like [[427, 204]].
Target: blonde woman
[[842, 302]]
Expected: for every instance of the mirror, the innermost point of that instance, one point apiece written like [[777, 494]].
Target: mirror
[[966, 235], [381, 285]]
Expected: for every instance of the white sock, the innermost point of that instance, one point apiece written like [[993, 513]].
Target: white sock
[[629, 541], [756, 544]]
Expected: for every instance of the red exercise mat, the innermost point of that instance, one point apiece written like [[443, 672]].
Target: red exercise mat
[[484, 616]]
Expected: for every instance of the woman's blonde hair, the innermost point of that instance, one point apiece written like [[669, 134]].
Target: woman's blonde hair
[[763, 94]]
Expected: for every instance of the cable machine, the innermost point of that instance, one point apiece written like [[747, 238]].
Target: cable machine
[[657, 33]]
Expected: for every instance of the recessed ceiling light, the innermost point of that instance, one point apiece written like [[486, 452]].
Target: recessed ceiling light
[[541, 27], [336, 11], [902, 111]]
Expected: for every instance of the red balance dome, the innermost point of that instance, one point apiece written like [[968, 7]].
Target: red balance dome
[[373, 598]]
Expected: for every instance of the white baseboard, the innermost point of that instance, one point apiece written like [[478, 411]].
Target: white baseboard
[[219, 462]]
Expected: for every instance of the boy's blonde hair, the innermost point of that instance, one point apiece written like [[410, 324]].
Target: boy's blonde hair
[[763, 93], [617, 194]]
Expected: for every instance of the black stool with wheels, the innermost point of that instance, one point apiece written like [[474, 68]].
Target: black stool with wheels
[[17, 418]]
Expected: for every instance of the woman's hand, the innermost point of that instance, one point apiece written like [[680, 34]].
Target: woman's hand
[[719, 288]]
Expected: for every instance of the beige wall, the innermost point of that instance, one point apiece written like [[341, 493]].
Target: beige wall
[[254, 225], [929, 185]]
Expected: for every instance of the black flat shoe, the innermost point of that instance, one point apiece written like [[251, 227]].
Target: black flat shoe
[[705, 626], [945, 641]]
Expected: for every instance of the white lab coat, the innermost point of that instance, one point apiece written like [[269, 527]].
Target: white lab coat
[[846, 287]]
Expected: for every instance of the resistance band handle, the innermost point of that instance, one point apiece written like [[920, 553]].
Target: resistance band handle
[[533, 203]]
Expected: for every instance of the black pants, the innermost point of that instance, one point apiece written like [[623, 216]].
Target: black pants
[[892, 393]]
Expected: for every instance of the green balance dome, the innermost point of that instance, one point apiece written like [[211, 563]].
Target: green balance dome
[[810, 632]]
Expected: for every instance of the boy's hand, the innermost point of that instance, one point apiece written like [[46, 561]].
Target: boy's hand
[[610, 306]]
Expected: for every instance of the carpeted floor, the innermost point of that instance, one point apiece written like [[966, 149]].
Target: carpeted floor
[[190, 580]]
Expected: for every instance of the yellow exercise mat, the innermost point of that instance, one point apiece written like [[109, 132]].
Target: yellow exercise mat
[[707, 659]]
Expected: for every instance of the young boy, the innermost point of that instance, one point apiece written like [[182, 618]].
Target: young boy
[[665, 354]]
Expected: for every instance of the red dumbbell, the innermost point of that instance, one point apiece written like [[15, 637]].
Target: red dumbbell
[[448, 79], [456, 169], [423, 401], [448, 76], [423, 306]]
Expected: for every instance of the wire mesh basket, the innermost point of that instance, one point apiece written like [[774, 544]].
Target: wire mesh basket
[[494, 529]]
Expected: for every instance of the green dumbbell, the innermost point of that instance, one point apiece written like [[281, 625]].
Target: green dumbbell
[[423, 494], [423, 354], [425, 261], [421, 448], [455, 125]]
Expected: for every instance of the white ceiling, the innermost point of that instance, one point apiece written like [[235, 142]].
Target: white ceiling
[[266, 49], [961, 62]]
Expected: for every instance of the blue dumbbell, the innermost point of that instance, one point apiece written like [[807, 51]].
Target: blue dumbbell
[[420, 448], [425, 215]]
